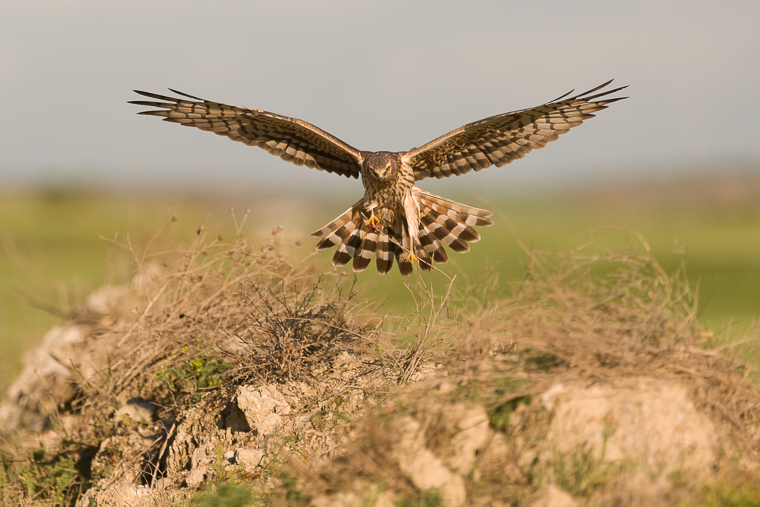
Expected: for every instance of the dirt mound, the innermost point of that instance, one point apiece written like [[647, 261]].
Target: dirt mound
[[224, 375]]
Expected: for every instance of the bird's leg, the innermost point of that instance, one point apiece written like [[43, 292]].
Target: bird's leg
[[373, 224], [410, 256], [412, 212]]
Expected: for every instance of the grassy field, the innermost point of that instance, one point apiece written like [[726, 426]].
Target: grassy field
[[51, 254]]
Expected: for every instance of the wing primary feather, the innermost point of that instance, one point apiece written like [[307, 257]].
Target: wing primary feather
[[153, 96], [592, 97], [561, 97], [186, 95], [500, 139], [255, 127], [595, 88]]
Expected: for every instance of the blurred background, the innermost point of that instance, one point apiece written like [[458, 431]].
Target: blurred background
[[679, 161]]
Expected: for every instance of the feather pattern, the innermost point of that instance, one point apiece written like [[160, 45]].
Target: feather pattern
[[501, 139], [442, 222], [291, 139], [405, 222]]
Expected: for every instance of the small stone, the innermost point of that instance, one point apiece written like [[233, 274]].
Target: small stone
[[427, 471], [196, 476], [249, 458], [644, 420], [263, 407]]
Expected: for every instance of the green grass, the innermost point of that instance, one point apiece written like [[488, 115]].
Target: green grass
[[50, 246]]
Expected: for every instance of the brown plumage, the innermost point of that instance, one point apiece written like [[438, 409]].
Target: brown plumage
[[394, 221]]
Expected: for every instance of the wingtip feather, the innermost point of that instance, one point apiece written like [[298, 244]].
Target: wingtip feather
[[186, 95]]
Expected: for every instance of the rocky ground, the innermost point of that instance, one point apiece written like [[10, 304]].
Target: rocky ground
[[224, 375]]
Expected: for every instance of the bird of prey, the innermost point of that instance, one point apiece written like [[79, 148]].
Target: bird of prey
[[394, 219]]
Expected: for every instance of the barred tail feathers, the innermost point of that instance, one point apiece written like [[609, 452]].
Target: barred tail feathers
[[367, 249], [335, 231], [442, 222], [351, 244], [467, 215], [385, 250], [354, 241], [432, 245], [447, 222], [401, 249]]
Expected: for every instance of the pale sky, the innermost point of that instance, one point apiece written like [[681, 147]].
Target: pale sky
[[384, 75]]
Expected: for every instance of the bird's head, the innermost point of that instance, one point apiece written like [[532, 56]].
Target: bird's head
[[382, 165]]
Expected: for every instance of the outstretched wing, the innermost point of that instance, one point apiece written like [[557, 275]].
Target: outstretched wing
[[500, 139], [291, 139]]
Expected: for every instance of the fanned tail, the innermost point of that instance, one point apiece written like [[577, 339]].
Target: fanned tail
[[354, 241], [447, 222], [336, 231], [442, 222]]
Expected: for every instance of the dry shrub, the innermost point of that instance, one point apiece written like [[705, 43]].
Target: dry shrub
[[287, 335], [424, 334], [221, 310], [583, 317], [598, 314]]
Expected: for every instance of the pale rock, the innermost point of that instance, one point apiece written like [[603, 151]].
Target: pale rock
[[196, 476], [647, 421], [66, 357], [263, 407], [409, 436], [249, 458], [428, 471], [473, 433], [424, 468]]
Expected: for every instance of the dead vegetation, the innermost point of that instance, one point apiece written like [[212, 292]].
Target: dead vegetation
[[287, 335], [229, 368]]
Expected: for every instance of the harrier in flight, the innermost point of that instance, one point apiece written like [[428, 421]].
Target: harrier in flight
[[394, 219]]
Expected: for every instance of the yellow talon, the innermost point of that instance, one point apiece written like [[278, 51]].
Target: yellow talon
[[412, 258], [373, 224]]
